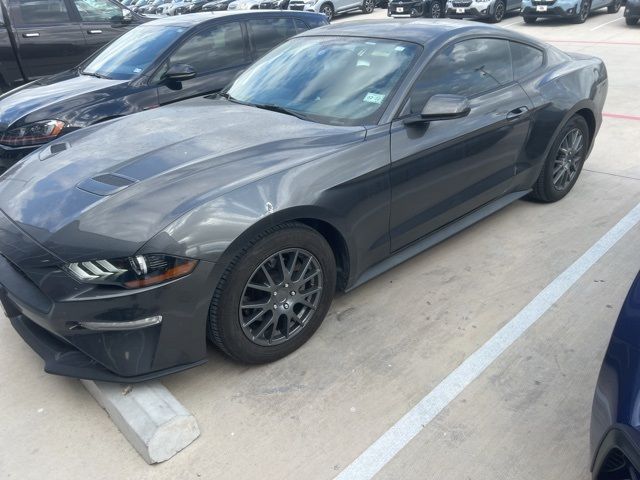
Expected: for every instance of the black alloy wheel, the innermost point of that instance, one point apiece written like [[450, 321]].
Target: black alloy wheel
[[435, 10], [498, 12], [327, 9], [274, 294], [583, 13], [564, 162], [368, 6]]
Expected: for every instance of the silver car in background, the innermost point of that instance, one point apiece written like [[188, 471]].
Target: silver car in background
[[492, 10], [332, 7]]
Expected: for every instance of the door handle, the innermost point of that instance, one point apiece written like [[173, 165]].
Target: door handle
[[517, 113], [30, 34], [94, 32]]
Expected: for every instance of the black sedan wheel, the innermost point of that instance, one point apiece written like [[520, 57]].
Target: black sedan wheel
[[564, 162], [614, 7], [274, 296], [631, 20], [368, 6]]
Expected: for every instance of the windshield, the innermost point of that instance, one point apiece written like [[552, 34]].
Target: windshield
[[338, 80], [133, 52]]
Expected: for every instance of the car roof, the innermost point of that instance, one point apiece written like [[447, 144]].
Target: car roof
[[195, 19], [422, 31]]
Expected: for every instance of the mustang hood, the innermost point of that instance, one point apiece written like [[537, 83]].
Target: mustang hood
[[111, 187], [46, 98]]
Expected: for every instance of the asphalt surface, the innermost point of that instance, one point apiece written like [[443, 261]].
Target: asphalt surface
[[388, 344]]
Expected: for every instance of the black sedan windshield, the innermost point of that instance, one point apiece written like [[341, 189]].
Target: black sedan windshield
[[133, 52], [337, 80]]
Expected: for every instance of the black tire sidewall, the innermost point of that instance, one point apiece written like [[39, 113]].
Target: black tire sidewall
[[494, 18], [322, 7], [550, 192], [225, 313]]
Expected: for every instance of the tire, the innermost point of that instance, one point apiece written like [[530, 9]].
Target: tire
[[583, 14], [546, 189], [288, 246], [631, 20], [328, 10], [368, 6], [499, 9], [615, 6], [434, 11], [530, 20]]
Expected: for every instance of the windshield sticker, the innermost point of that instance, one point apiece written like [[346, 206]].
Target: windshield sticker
[[137, 70], [373, 98]]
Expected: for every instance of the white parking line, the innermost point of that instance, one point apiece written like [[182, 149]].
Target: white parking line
[[506, 25], [382, 451], [607, 23]]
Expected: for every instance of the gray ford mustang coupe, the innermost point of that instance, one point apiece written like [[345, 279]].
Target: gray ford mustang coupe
[[234, 218]]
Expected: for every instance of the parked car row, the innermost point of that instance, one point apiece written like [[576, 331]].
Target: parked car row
[[495, 10]]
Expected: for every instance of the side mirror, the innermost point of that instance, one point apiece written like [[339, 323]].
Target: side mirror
[[441, 107], [127, 16], [180, 72]]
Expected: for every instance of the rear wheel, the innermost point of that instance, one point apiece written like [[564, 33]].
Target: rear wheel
[[614, 7], [499, 9], [274, 295], [530, 20], [564, 162], [368, 6], [631, 21]]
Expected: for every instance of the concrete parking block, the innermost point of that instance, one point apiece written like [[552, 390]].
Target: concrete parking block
[[155, 423]]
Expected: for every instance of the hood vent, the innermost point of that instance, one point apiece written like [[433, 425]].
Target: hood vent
[[106, 184]]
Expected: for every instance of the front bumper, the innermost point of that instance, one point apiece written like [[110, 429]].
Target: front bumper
[[46, 306], [552, 11], [475, 10]]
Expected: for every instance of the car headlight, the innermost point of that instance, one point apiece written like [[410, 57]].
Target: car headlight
[[132, 272], [32, 134]]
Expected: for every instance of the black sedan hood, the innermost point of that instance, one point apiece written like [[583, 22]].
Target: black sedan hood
[[51, 98], [115, 185]]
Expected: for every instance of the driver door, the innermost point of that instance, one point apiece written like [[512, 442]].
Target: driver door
[[444, 169]]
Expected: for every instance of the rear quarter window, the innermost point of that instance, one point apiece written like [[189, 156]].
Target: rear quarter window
[[526, 59]]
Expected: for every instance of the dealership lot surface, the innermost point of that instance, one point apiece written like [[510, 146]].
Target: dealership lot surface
[[387, 344]]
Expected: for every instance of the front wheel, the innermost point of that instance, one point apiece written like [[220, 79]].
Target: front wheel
[[530, 20], [499, 10], [434, 10], [614, 7], [583, 13], [274, 295], [368, 6], [631, 21], [564, 162], [327, 9]]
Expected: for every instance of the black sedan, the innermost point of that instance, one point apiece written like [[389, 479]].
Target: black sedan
[[341, 153], [160, 62]]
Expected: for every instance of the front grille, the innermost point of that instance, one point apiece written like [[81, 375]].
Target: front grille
[[543, 2], [461, 4]]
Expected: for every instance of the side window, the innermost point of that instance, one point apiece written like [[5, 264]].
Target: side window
[[301, 26], [526, 59], [40, 12], [98, 11], [216, 48], [469, 68], [269, 32]]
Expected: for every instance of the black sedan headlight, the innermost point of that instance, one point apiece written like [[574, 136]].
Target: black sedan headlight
[[132, 272], [36, 133]]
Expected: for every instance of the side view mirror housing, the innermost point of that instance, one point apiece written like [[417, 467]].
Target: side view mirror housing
[[441, 107], [127, 16], [180, 72]]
